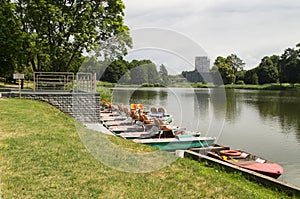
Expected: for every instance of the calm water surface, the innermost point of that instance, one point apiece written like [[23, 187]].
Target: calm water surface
[[266, 123]]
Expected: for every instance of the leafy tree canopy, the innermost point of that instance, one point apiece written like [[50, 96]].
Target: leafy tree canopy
[[290, 66], [235, 63], [228, 67], [56, 33], [267, 71]]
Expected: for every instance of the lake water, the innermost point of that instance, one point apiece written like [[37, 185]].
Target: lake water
[[266, 123]]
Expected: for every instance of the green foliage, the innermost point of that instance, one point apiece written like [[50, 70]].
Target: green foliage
[[123, 72], [273, 69], [143, 71], [240, 82], [290, 66], [197, 85], [240, 75], [105, 93], [235, 63], [115, 71], [152, 85], [56, 33], [251, 76], [10, 37], [226, 72], [153, 75], [267, 71], [273, 86], [164, 75], [138, 73], [228, 68]]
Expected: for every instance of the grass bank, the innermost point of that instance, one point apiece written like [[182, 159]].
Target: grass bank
[[274, 86], [42, 156], [264, 87]]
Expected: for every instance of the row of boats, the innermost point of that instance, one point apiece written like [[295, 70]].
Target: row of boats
[[153, 127]]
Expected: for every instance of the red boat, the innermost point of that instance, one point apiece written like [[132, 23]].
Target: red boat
[[248, 161]]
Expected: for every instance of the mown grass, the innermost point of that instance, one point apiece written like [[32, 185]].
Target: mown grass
[[42, 156]]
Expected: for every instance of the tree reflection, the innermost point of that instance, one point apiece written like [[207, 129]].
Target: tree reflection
[[233, 108], [148, 97], [281, 105]]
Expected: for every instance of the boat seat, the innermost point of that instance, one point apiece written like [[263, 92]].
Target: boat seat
[[153, 110], [166, 134], [161, 110]]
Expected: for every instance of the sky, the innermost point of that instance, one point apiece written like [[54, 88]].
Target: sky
[[184, 29]]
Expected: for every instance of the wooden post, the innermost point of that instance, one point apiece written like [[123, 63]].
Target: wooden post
[[19, 77], [19, 88]]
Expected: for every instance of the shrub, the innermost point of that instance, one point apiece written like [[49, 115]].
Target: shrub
[[240, 82]]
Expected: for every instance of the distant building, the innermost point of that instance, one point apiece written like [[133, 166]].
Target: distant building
[[202, 64], [201, 72]]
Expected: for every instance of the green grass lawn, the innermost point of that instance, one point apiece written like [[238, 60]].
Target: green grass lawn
[[42, 156]]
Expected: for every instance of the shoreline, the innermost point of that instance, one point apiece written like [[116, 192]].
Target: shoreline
[[274, 87]]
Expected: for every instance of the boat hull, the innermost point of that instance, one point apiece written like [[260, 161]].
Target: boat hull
[[253, 163], [270, 169], [177, 144], [120, 129]]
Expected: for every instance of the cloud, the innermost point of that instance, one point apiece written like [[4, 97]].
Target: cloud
[[250, 29]]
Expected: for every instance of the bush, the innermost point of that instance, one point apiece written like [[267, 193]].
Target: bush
[[105, 94], [240, 82]]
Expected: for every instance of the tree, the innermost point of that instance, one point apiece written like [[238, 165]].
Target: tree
[[114, 72], [138, 75], [164, 75], [143, 71], [56, 33], [290, 66], [251, 76], [226, 71], [10, 37], [235, 63], [240, 76], [267, 71], [153, 75]]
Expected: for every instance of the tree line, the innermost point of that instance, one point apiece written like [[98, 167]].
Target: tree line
[[283, 68], [51, 36], [127, 72]]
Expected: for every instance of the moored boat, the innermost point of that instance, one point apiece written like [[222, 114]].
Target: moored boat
[[107, 124], [138, 135], [128, 128], [154, 134], [248, 161], [179, 142]]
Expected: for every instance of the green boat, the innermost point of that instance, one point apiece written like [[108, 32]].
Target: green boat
[[179, 142], [155, 134]]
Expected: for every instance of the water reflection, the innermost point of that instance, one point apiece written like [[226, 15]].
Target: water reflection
[[233, 108], [147, 97], [210, 110], [280, 106]]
